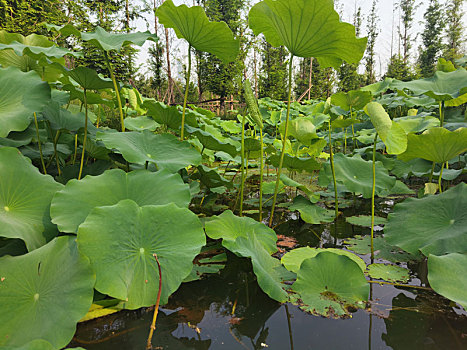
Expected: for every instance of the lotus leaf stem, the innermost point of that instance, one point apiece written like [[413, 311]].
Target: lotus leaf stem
[[261, 174], [242, 154], [373, 190], [85, 135], [333, 170], [440, 179], [284, 143], [187, 87], [117, 90], [39, 144], [76, 150], [156, 308]]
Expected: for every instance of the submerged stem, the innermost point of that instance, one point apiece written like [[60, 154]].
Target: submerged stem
[[39, 144], [117, 91], [284, 143], [156, 308], [85, 135], [373, 190], [188, 72]]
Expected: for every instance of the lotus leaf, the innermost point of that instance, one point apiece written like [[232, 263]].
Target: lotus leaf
[[355, 174], [62, 119], [45, 292], [301, 129], [37, 52], [251, 239], [295, 163], [210, 142], [437, 145], [329, 283], [165, 150], [355, 99], [211, 178], [434, 225], [308, 28], [104, 40], [392, 134], [312, 213], [391, 273], [168, 115], [291, 183], [21, 94], [120, 242], [447, 275], [71, 206], [294, 259], [141, 123], [379, 87], [192, 24], [25, 197], [365, 220], [417, 124], [86, 77]]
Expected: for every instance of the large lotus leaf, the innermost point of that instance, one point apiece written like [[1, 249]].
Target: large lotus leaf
[[356, 175], [447, 275], [141, 123], [86, 77], [120, 242], [211, 178], [308, 28], [442, 86], [437, 145], [391, 273], [295, 163], [104, 40], [417, 123], [379, 87], [329, 283], [168, 115], [312, 213], [165, 150], [71, 206], [62, 119], [37, 52], [192, 24], [25, 197], [355, 99], [229, 227], [294, 259], [392, 134], [251, 239], [44, 294], [211, 142], [301, 129], [21, 94], [434, 225]]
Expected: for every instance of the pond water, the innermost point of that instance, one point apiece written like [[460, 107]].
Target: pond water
[[229, 311]]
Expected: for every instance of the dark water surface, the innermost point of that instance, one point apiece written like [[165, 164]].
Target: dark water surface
[[229, 311]]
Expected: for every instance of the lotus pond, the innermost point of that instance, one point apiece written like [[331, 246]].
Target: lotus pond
[[127, 223]]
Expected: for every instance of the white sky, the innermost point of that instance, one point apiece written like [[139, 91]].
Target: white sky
[[383, 43]]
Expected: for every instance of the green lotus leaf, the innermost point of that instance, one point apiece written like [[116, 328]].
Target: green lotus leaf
[[37, 344], [383, 251], [62, 119], [71, 206], [447, 275], [308, 28], [211, 178], [165, 150], [231, 126], [251, 239], [294, 259], [301, 129], [312, 213], [104, 40], [210, 142], [25, 197], [392, 134], [437, 145], [342, 123], [44, 294], [38, 52], [379, 87], [355, 99], [120, 242], [192, 24], [328, 284], [365, 220], [295, 163], [434, 225], [442, 86], [355, 174], [86, 77], [141, 123], [21, 94], [291, 183], [168, 115], [417, 124], [391, 273], [252, 145]]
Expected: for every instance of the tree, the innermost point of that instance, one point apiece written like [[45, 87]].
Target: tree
[[432, 38], [455, 29], [398, 69], [372, 33], [273, 75], [348, 76], [408, 11]]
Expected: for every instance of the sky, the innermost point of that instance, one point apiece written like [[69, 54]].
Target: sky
[[383, 42]]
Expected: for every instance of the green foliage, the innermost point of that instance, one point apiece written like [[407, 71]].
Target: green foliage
[[454, 30], [273, 74], [432, 38], [372, 32]]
